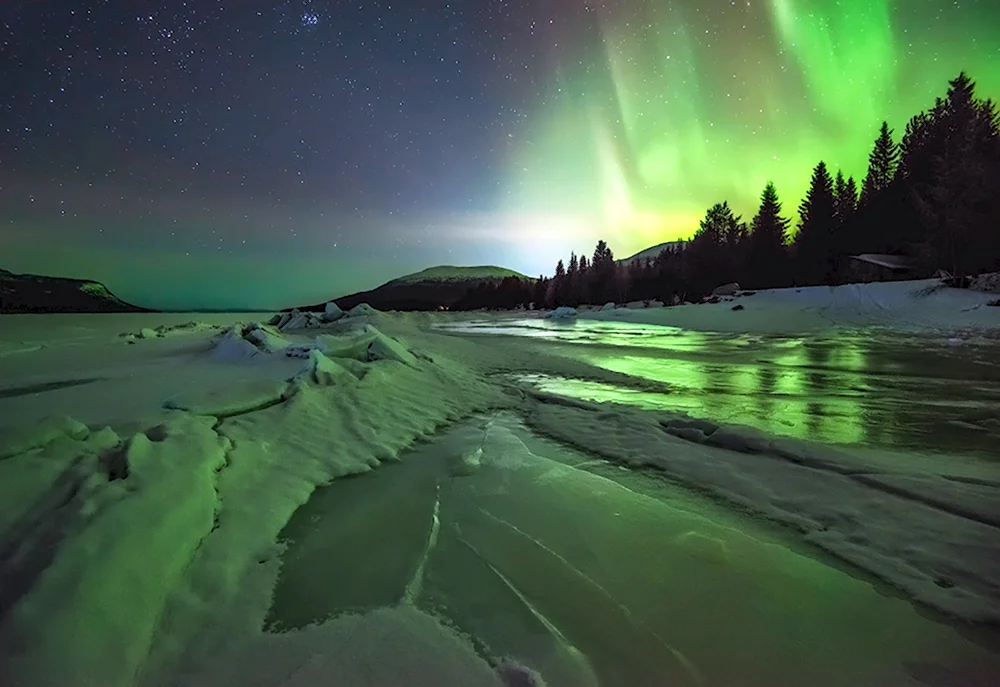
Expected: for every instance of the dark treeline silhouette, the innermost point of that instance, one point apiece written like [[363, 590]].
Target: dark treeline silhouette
[[933, 197]]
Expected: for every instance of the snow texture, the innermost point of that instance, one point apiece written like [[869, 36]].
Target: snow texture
[[332, 312], [923, 305], [169, 532], [562, 313]]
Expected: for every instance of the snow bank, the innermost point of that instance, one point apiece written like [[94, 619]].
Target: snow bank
[[332, 312], [349, 414], [243, 341], [91, 613], [164, 330], [562, 313], [929, 529], [911, 305], [156, 553], [22, 439], [363, 310]]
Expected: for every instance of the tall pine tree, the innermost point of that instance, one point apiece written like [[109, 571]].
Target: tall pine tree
[[960, 198], [767, 259], [815, 246], [710, 258], [602, 274], [882, 164]]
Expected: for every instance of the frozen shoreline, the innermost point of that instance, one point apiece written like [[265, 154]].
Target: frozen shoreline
[[922, 305], [228, 435]]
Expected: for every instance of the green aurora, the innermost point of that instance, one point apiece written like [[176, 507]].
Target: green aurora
[[670, 107]]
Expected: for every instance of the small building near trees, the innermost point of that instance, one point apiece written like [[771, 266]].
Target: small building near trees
[[869, 267]]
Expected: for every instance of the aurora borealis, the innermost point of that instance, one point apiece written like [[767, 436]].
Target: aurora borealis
[[260, 153], [674, 109]]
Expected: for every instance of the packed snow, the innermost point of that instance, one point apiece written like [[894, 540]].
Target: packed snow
[[148, 465], [903, 305]]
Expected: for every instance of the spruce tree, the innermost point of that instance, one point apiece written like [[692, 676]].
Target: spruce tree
[[814, 244], [882, 164], [769, 234], [852, 194], [960, 198], [582, 292], [711, 257], [602, 269]]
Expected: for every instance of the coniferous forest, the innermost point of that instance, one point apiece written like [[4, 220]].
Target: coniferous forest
[[932, 197]]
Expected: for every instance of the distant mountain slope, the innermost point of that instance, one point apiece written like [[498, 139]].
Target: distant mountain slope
[[652, 251], [429, 289], [35, 293], [457, 273]]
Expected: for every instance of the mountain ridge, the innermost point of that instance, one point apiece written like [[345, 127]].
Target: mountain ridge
[[434, 288], [38, 293]]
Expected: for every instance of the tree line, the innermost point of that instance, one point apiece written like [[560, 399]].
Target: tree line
[[932, 197]]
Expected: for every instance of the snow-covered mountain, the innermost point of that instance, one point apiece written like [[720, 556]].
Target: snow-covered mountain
[[429, 289], [35, 293]]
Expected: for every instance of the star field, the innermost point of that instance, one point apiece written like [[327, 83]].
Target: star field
[[226, 154]]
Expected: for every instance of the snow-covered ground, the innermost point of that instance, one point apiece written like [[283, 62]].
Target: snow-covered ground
[[904, 305], [147, 467]]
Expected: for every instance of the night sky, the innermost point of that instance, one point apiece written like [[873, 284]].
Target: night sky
[[231, 153]]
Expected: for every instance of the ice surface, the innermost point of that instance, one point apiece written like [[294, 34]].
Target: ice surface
[[915, 526], [145, 553]]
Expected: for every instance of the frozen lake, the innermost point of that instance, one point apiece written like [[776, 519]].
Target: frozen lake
[[919, 393], [380, 502], [595, 575]]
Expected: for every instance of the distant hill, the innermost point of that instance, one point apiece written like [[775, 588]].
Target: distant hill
[[652, 252], [429, 289], [34, 293]]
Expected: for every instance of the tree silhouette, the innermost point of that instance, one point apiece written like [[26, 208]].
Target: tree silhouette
[[951, 165], [815, 241], [882, 165], [767, 259], [602, 274], [711, 259]]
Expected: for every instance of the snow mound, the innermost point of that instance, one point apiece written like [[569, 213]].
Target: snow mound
[[300, 320], [562, 313], [730, 289], [610, 305], [366, 345], [990, 283], [244, 341], [164, 330], [23, 439], [332, 312], [323, 371], [132, 541], [383, 347], [363, 310]]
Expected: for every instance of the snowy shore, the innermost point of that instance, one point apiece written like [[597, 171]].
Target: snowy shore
[[138, 534], [902, 305]]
